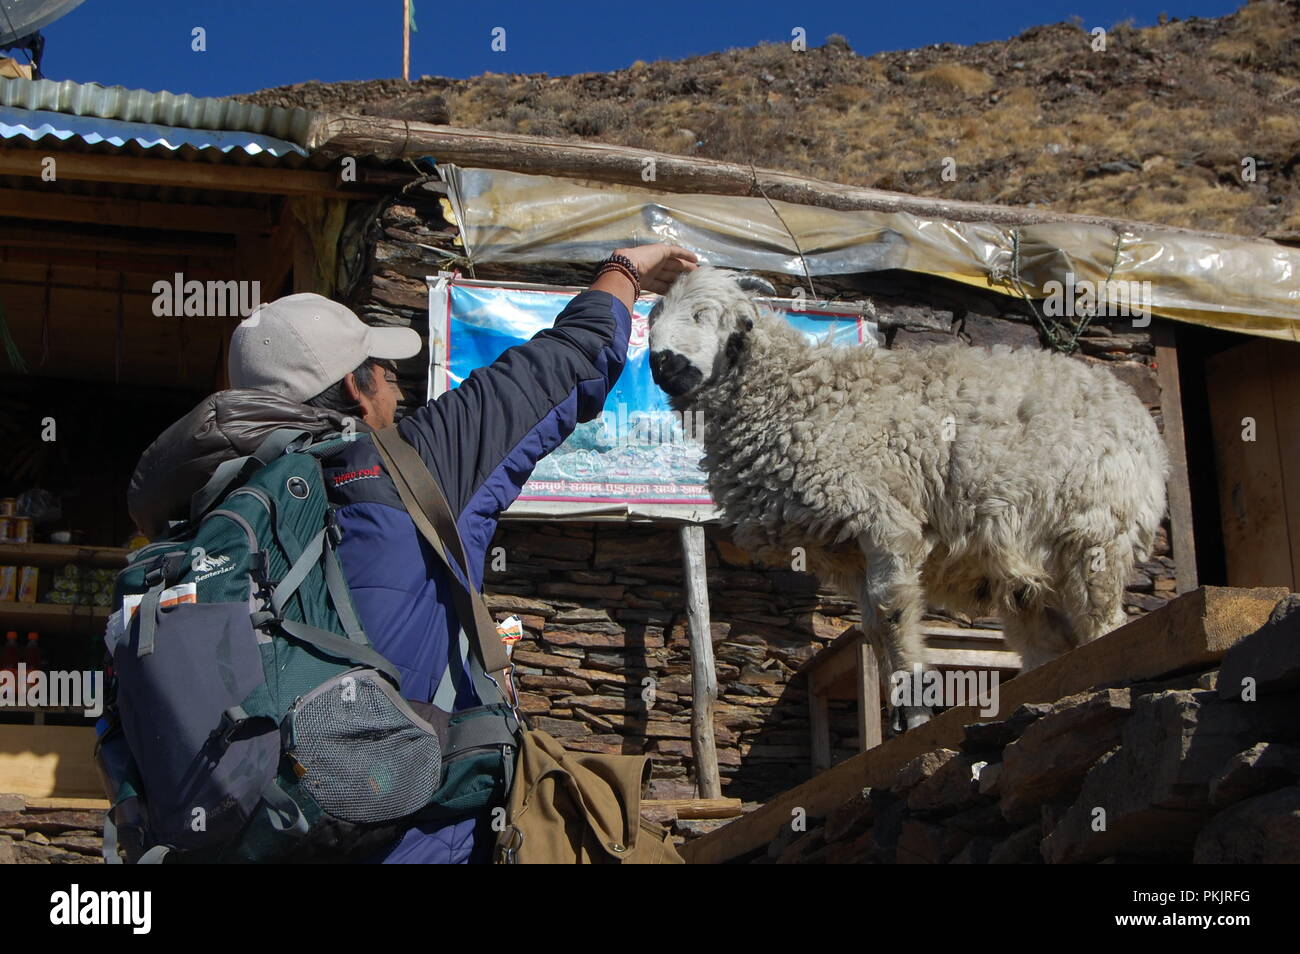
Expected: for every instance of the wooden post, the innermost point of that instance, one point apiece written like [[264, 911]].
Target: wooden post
[[1183, 543], [820, 723], [868, 697], [406, 39], [704, 678]]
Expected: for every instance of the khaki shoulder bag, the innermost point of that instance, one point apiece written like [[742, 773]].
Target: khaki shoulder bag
[[564, 807]]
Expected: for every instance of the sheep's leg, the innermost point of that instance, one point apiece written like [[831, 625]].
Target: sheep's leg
[[1038, 635], [892, 602], [1092, 593]]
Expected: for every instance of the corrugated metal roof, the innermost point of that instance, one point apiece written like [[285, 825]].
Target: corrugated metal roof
[[179, 111], [36, 124]]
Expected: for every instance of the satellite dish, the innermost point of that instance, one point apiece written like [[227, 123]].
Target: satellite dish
[[22, 18]]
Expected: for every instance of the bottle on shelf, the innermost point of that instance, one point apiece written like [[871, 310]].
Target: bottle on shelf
[[9, 658], [33, 656]]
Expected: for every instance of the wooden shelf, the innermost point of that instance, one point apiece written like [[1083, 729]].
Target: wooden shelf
[[52, 617], [57, 554]]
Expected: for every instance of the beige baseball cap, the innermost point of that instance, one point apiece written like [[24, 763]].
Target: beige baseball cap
[[299, 345]]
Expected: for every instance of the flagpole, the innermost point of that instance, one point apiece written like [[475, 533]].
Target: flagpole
[[406, 39]]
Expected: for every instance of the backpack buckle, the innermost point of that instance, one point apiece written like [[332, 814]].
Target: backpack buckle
[[166, 569], [224, 734], [512, 839], [332, 529], [260, 571]]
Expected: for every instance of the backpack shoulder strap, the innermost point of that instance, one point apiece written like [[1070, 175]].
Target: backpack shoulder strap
[[424, 501], [232, 471]]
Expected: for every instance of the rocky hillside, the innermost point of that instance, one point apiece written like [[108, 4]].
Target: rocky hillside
[[1193, 122]]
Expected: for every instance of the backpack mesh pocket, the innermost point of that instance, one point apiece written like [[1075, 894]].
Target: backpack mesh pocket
[[368, 757]]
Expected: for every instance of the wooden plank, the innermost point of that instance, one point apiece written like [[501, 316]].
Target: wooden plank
[[1284, 368], [84, 341], [868, 676], [338, 134], [1182, 530], [131, 213], [45, 761], [84, 621], [94, 167], [36, 614], [972, 658], [73, 274], [71, 804], [1252, 505], [819, 725], [697, 807], [155, 264], [836, 663], [57, 554], [1192, 631], [704, 676], [268, 257], [55, 236], [961, 633]]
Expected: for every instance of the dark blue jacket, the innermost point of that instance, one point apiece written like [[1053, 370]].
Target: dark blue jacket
[[481, 440]]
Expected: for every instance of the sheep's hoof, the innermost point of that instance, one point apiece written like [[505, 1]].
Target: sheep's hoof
[[902, 718]]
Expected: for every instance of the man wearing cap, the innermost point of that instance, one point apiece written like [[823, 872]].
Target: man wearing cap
[[306, 362]]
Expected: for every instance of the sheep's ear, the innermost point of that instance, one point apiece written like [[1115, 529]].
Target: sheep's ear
[[752, 283]]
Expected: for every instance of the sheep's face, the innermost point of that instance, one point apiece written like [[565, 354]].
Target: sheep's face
[[697, 330]]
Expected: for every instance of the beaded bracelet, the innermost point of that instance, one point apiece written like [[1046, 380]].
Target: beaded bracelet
[[631, 274], [625, 265], [615, 267]]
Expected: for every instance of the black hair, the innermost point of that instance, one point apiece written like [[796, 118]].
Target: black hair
[[335, 397]]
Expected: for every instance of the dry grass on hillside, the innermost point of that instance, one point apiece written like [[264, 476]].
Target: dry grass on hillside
[[1155, 127]]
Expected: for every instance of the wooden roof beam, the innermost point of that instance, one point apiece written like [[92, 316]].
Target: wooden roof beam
[[335, 135], [85, 240], [102, 167], [131, 213]]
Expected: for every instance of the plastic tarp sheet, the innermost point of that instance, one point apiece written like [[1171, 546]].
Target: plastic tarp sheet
[[639, 459], [1243, 285]]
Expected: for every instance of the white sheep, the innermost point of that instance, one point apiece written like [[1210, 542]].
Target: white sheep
[[1023, 484]]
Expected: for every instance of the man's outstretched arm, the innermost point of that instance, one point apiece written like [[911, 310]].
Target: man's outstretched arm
[[483, 438]]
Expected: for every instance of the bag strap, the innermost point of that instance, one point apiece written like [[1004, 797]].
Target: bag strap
[[427, 506], [230, 472]]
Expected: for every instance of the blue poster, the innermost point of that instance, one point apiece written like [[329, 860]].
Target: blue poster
[[639, 451]]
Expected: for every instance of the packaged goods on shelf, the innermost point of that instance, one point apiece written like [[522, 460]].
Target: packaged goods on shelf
[[27, 579]]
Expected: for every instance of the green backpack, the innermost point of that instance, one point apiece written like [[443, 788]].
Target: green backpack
[[249, 718]]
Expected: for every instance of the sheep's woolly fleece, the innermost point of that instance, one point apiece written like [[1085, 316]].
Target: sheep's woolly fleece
[[1016, 483]]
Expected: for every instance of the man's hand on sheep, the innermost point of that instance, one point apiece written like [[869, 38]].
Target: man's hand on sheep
[[659, 265]]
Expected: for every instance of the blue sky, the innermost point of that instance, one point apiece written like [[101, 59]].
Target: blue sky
[[252, 45]]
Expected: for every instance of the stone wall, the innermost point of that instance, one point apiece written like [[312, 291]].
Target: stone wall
[[1202, 768], [40, 836]]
